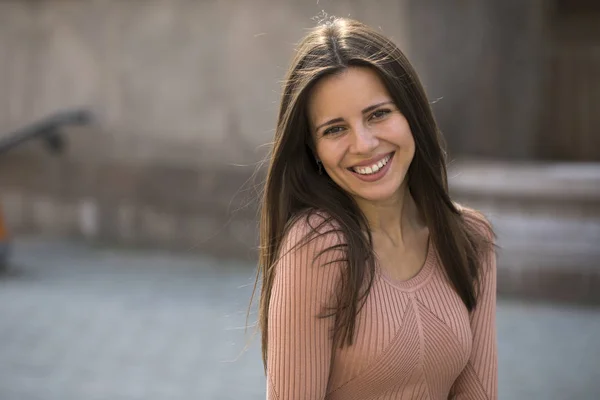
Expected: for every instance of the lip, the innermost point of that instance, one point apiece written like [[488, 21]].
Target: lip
[[377, 175], [372, 161]]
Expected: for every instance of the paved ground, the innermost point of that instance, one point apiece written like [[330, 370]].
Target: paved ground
[[80, 323]]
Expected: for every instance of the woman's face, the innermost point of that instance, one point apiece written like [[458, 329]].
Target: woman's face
[[360, 136]]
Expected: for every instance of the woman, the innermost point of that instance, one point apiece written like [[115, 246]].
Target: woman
[[375, 285]]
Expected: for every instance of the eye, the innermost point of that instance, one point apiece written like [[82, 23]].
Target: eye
[[333, 130], [379, 114]]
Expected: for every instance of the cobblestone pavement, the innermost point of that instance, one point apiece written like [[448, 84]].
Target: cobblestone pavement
[[83, 323]]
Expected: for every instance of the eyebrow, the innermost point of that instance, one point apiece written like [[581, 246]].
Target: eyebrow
[[365, 111]]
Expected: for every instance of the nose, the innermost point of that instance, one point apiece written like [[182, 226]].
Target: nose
[[365, 140]]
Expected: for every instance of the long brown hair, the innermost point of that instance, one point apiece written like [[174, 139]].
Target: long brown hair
[[294, 187]]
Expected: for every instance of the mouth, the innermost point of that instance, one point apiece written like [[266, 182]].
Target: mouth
[[375, 171], [366, 170]]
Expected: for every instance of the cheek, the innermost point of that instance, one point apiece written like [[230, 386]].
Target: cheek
[[409, 145], [399, 133], [331, 153]]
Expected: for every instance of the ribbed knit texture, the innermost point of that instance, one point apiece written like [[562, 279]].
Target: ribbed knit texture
[[414, 339]]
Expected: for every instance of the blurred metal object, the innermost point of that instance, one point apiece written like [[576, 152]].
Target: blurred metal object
[[4, 243], [47, 129]]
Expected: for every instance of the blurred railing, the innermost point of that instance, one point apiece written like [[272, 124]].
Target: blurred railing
[[47, 129]]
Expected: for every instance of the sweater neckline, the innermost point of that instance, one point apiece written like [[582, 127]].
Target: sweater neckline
[[417, 280]]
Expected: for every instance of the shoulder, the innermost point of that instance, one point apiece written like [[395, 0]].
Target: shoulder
[[477, 221], [482, 238], [311, 259], [313, 228]]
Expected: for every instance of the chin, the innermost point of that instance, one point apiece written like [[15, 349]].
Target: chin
[[382, 194], [378, 197]]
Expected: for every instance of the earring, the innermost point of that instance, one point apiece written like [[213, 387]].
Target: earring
[[320, 165]]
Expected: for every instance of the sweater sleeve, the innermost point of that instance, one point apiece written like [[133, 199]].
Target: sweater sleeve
[[299, 344], [479, 379]]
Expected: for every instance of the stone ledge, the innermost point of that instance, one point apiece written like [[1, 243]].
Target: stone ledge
[[540, 181], [173, 207], [563, 285], [163, 186]]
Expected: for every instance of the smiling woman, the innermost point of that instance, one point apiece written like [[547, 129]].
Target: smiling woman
[[374, 283]]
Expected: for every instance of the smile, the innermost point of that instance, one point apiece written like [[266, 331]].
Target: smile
[[374, 172], [372, 169]]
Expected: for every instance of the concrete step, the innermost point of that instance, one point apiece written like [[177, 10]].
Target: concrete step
[[547, 221]]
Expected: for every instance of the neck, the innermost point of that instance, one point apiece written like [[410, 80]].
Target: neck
[[396, 218]]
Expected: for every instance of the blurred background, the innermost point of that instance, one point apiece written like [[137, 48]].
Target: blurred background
[[130, 134]]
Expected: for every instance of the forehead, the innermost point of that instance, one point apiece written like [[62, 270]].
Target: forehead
[[347, 92]]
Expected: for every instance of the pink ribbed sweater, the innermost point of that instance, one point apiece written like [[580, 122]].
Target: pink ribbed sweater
[[414, 339]]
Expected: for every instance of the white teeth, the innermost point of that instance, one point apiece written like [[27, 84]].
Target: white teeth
[[373, 168]]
